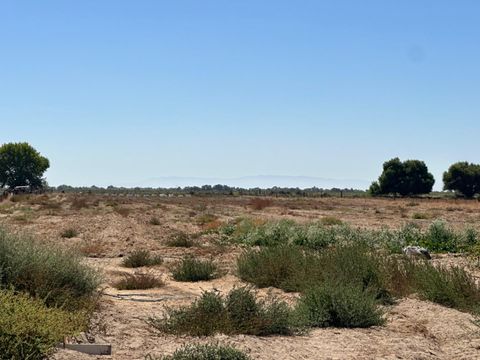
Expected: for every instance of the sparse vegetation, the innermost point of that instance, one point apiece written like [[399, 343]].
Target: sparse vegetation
[[139, 258], [330, 220], [237, 313], [138, 281], [155, 221], [192, 269], [204, 352], [69, 233], [30, 330], [181, 239], [52, 274], [260, 203], [339, 305]]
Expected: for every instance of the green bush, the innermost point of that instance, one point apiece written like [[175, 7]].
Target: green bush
[[140, 258], [50, 273], [440, 238], [292, 268], [448, 286], [286, 267], [237, 313], [191, 269], [330, 220], [339, 305], [204, 352], [30, 330]]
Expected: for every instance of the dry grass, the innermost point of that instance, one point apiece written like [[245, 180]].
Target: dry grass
[[260, 203], [138, 281]]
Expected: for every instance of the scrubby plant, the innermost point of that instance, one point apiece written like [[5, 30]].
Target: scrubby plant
[[260, 204], [192, 269], [155, 221], [204, 352], [339, 305], [51, 273], [180, 239], [69, 233], [448, 286], [139, 258], [330, 220], [420, 216], [287, 267], [138, 281], [237, 313], [440, 238], [30, 330]]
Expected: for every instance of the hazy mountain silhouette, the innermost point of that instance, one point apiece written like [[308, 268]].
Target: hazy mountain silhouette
[[260, 181]]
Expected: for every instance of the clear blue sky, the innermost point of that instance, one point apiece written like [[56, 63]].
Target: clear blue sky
[[122, 91]]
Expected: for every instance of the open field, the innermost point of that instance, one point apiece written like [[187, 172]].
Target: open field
[[108, 229]]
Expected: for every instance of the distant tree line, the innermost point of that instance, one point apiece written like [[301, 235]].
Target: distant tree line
[[23, 166], [411, 177], [212, 190]]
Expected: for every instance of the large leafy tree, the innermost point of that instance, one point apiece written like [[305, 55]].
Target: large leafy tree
[[21, 164], [410, 177], [463, 177]]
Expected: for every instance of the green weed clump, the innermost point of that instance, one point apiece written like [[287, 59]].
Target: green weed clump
[[140, 258], [204, 352], [317, 235], [30, 330], [339, 305], [286, 267], [192, 269], [56, 275], [237, 313], [448, 286]]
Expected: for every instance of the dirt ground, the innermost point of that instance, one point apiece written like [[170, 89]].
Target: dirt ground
[[108, 228]]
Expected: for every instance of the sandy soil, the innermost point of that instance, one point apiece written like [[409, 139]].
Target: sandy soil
[[110, 227]]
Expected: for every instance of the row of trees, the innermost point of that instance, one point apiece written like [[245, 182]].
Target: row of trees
[[21, 164], [411, 177]]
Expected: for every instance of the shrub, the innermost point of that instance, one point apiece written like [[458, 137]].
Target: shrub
[[180, 240], [286, 267], [140, 258], [78, 203], [330, 220], [339, 305], [50, 273], [293, 269], [30, 330], [206, 218], [69, 233], [260, 204], [237, 313], [420, 216], [154, 221], [204, 352], [191, 269], [138, 281], [452, 286], [440, 238]]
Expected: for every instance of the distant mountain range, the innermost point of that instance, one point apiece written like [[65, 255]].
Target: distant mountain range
[[260, 181]]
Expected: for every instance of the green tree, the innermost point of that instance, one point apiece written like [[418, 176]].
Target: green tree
[[21, 164], [410, 177], [462, 177]]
